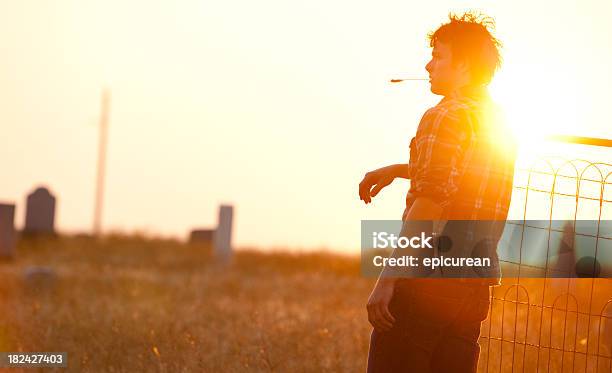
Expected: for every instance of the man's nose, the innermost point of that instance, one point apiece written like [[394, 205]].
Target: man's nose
[[428, 67]]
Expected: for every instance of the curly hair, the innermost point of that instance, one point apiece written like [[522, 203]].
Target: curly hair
[[471, 40]]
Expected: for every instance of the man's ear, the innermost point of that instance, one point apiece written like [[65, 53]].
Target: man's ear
[[463, 67]]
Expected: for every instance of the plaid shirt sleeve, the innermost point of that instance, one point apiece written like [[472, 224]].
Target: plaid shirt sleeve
[[439, 146]]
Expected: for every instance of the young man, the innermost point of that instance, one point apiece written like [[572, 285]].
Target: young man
[[461, 169]]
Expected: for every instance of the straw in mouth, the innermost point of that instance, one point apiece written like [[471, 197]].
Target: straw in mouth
[[404, 79]]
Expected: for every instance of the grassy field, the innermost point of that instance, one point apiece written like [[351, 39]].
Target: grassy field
[[129, 304]]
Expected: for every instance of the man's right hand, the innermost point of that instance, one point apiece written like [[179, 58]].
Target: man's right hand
[[374, 181]]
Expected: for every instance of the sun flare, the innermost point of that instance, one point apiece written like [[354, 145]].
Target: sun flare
[[538, 102]]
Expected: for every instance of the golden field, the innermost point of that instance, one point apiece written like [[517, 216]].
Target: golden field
[[135, 304], [126, 304]]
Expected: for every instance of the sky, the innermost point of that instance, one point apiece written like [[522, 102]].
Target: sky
[[276, 107]]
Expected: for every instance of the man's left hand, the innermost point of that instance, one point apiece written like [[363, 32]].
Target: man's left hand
[[378, 305]]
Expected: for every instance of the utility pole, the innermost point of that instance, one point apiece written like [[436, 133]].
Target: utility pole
[[102, 144]]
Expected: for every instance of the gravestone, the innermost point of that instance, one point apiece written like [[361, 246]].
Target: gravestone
[[223, 234], [565, 265], [39, 279], [40, 212], [202, 236], [7, 230]]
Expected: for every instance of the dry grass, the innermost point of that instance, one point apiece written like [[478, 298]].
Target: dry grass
[[128, 304]]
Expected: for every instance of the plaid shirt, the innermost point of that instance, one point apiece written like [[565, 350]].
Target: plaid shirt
[[462, 158]]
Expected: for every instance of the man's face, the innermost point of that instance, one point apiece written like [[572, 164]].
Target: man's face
[[444, 75]]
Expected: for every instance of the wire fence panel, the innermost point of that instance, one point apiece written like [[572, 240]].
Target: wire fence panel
[[554, 324]]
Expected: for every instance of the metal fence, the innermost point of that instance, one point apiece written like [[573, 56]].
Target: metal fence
[[554, 324]]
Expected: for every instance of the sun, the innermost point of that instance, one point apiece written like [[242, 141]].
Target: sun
[[538, 101]]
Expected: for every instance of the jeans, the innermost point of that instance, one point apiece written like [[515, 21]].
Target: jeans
[[436, 329]]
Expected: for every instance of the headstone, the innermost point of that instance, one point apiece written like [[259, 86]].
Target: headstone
[[223, 234], [39, 279], [7, 230], [202, 236], [40, 212], [565, 265]]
